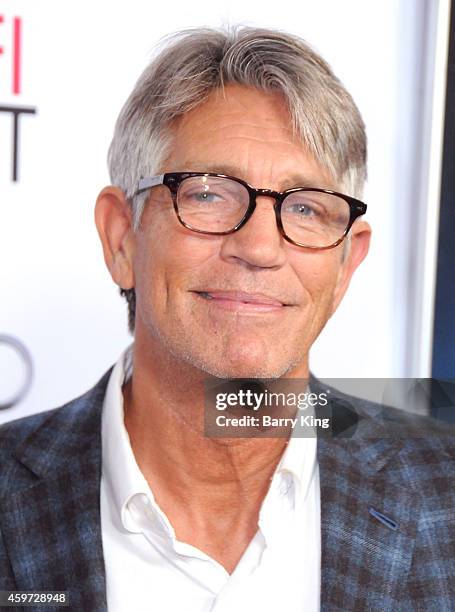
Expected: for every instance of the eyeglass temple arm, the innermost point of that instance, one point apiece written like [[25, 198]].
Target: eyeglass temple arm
[[150, 181]]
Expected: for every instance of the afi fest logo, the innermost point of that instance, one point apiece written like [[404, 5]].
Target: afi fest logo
[[11, 52], [11, 86]]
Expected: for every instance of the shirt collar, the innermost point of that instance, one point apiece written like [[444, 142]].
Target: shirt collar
[[297, 464]]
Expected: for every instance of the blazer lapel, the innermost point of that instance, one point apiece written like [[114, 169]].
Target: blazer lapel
[[51, 526], [368, 525]]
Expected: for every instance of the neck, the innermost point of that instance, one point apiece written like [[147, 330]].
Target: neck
[[164, 416], [195, 479]]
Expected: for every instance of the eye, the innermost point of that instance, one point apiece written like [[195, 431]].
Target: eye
[[202, 197], [302, 210]]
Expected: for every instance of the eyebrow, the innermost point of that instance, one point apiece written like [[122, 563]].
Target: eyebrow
[[291, 181]]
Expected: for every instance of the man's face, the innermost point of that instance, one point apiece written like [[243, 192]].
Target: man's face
[[248, 304]]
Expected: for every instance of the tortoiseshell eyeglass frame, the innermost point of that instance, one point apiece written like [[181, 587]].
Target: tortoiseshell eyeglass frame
[[173, 180]]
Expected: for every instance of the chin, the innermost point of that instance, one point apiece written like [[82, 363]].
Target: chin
[[224, 369], [236, 355]]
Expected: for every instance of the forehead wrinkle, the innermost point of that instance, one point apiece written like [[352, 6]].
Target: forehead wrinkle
[[261, 132], [264, 141], [225, 162]]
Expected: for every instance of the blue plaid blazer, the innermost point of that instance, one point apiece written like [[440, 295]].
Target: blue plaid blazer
[[387, 511]]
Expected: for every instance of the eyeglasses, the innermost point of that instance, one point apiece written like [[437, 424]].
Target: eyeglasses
[[218, 204]]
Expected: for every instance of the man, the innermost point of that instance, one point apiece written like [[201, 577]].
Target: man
[[233, 228]]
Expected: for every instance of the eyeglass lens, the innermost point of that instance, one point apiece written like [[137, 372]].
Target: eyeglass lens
[[216, 204]]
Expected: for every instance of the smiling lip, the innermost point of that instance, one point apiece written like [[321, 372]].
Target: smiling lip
[[239, 300]]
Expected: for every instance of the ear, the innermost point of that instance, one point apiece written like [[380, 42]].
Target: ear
[[114, 224], [356, 251]]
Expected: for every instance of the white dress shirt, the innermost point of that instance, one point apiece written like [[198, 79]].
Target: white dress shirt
[[148, 569]]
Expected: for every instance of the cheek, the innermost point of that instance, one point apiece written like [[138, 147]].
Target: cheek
[[169, 259], [318, 274]]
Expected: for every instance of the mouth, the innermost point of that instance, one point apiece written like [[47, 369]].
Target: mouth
[[240, 301]]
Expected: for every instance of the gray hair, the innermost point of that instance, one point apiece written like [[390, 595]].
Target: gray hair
[[195, 62]]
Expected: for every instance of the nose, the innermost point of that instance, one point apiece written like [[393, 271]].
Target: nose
[[258, 243]]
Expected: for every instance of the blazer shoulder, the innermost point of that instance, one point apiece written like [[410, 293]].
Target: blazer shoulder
[[422, 437], [50, 437], [13, 433]]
